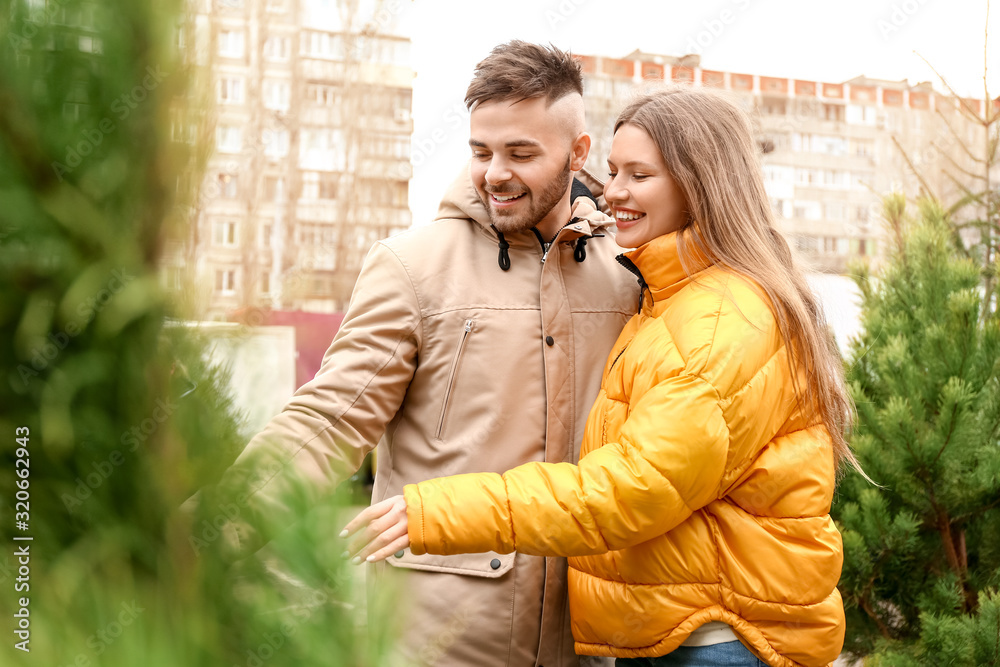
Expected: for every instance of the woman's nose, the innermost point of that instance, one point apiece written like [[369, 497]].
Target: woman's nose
[[614, 193]]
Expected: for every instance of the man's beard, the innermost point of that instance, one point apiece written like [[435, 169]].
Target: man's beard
[[540, 206]]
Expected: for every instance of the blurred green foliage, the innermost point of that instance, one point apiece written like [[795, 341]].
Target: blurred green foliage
[[125, 419], [922, 553]]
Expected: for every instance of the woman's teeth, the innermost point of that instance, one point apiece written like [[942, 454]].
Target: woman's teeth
[[625, 217]]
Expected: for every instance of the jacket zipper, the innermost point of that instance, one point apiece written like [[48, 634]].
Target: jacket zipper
[[630, 265], [451, 379], [547, 245]]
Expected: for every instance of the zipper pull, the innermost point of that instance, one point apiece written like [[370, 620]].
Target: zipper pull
[[468, 326], [545, 251]]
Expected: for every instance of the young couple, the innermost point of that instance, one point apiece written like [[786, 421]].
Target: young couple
[[696, 516]]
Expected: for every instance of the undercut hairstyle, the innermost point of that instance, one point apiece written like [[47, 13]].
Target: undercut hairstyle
[[519, 70]]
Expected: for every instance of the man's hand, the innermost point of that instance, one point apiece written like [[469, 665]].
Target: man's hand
[[378, 532]]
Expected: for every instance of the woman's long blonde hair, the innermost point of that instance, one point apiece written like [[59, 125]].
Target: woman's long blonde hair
[[707, 144]]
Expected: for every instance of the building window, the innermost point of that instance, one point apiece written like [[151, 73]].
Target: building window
[[805, 244], [225, 281], [231, 43], [327, 186], [773, 106], [265, 282], [741, 81], [317, 235], [805, 176], [276, 142], [321, 45], [276, 95], [833, 112], [322, 285], [277, 6], [174, 278], [276, 48], [265, 236], [182, 131], [863, 148], [325, 95], [228, 139], [862, 114], [224, 234], [231, 90], [90, 44], [228, 186], [274, 188]]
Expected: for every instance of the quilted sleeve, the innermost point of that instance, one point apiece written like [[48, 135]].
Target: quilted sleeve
[[668, 462]]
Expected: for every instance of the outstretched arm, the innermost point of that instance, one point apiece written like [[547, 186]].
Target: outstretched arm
[[323, 433], [667, 463]]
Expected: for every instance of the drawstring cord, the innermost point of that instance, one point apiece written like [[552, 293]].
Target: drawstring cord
[[579, 249], [504, 258]]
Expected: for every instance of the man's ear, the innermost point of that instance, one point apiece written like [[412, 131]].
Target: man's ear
[[580, 151]]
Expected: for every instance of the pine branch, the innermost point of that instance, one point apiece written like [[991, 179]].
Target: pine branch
[[883, 629], [951, 430], [909, 162], [943, 525], [970, 174], [975, 514], [957, 139]]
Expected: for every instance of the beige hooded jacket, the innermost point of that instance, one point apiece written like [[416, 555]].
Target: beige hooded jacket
[[453, 365]]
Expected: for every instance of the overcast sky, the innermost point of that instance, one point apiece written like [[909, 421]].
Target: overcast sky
[[825, 41]]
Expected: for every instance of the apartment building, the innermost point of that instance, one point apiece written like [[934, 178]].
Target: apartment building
[[311, 128], [831, 149]]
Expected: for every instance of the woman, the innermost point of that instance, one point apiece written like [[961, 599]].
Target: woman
[[697, 520]]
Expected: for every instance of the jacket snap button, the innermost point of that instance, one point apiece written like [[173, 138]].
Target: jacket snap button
[[495, 563], [399, 554], [550, 341]]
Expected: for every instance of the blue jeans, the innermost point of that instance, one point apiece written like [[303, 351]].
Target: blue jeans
[[729, 654]]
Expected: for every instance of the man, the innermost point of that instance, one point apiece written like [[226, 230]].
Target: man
[[475, 343]]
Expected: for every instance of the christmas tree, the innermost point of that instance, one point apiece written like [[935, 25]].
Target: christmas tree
[[110, 417], [922, 550]]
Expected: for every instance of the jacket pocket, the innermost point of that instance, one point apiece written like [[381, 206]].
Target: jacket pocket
[[487, 565], [452, 377]]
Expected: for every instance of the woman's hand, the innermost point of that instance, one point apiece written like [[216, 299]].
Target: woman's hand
[[378, 532]]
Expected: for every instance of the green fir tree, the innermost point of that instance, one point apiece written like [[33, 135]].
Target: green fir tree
[[922, 550], [110, 416]]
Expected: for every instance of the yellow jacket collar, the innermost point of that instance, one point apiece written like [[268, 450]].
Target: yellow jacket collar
[[660, 264]]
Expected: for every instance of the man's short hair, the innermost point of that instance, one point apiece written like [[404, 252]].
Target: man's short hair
[[520, 70]]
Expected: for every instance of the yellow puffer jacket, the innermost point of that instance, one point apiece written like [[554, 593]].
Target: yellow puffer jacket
[[702, 492]]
